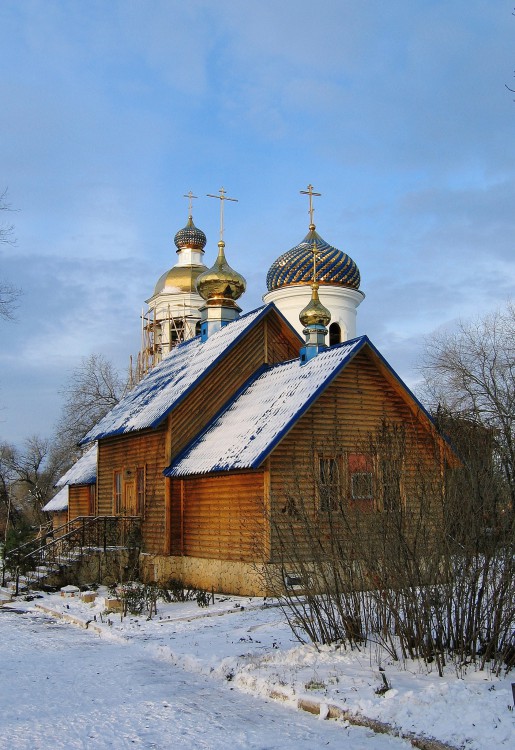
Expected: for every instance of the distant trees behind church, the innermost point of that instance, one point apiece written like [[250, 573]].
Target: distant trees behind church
[[93, 389], [28, 473], [470, 383]]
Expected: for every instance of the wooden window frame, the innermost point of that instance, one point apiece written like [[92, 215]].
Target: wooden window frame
[[361, 465], [141, 490], [366, 493], [117, 491], [328, 492], [92, 500], [386, 504]]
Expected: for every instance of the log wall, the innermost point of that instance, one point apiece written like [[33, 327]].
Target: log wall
[[79, 501], [339, 423], [59, 518], [218, 517], [128, 452]]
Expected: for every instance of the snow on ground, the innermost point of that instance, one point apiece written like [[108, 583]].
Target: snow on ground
[[67, 689], [246, 646]]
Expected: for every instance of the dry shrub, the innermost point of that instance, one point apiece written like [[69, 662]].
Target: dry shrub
[[422, 569]]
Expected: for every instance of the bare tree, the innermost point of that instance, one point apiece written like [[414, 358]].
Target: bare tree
[[94, 388], [8, 292], [8, 511], [29, 475], [471, 374]]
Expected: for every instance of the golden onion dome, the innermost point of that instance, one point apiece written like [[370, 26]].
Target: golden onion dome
[[179, 279], [190, 236], [314, 314], [221, 282]]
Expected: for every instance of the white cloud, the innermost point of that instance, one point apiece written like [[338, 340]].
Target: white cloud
[[396, 112]]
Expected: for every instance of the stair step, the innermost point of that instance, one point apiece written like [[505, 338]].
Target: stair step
[[47, 569], [22, 586]]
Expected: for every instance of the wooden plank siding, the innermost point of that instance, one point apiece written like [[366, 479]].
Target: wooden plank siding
[[281, 344], [59, 518], [79, 501], [271, 342], [341, 422], [129, 452], [219, 516]]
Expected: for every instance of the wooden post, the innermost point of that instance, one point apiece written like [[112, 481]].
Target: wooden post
[[182, 517], [267, 510], [168, 516]]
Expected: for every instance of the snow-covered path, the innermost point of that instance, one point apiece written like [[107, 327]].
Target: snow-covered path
[[61, 687]]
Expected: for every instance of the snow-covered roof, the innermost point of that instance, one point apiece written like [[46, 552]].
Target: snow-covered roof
[[58, 502], [84, 471], [260, 416], [167, 383]]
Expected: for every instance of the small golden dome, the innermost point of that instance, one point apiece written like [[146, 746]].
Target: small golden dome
[[179, 279], [314, 313], [221, 282]]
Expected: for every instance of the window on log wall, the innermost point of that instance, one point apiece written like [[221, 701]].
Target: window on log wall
[[361, 476], [329, 485]]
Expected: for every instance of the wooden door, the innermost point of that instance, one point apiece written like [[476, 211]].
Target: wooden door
[[129, 504]]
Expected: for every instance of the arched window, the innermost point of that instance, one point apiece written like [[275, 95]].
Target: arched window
[[335, 334], [197, 329]]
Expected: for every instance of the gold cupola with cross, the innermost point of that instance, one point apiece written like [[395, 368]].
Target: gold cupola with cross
[[314, 317], [220, 286]]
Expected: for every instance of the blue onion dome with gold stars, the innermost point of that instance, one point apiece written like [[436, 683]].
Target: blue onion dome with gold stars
[[220, 283], [190, 236], [295, 266]]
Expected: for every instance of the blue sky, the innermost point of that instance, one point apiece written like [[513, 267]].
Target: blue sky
[[396, 112]]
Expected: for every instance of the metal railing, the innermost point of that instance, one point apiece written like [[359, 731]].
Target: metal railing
[[68, 543]]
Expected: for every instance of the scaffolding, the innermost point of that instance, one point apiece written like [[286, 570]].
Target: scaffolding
[[161, 330]]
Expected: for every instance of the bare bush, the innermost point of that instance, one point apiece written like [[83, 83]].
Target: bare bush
[[405, 563]]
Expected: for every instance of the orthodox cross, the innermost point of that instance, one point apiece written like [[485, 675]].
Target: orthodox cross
[[311, 193], [190, 201], [316, 252], [222, 197], [314, 247]]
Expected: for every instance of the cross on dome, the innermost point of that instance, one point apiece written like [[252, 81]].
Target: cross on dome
[[190, 196], [316, 252], [311, 193], [222, 197]]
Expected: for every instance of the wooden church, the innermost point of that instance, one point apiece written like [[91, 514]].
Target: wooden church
[[239, 415]]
